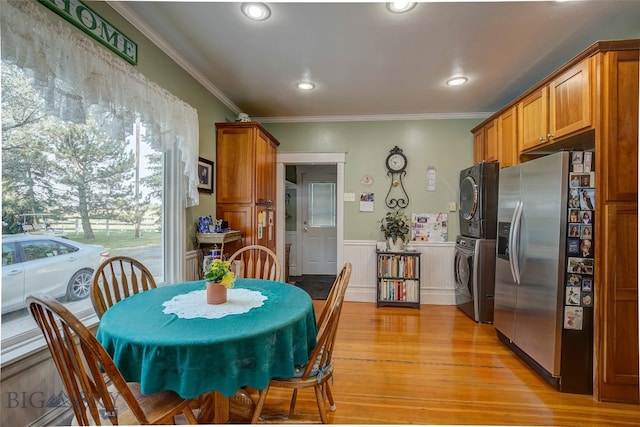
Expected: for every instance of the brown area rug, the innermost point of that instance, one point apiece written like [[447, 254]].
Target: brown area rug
[[317, 286]]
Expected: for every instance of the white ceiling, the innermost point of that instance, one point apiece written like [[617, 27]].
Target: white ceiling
[[370, 64]]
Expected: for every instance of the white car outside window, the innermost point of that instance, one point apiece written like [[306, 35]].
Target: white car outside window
[[46, 264]]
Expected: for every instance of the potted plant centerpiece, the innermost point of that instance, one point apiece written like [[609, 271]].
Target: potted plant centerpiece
[[396, 228], [219, 278]]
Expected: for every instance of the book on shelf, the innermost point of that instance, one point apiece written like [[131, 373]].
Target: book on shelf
[[397, 266], [399, 290]]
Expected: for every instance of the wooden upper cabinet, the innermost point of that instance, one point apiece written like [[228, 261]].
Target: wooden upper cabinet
[[533, 116], [235, 168], [246, 164], [265, 170], [556, 110], [485, 143], [478, 145], [508, 138], [570, 101], [618, 147], [491, 141]]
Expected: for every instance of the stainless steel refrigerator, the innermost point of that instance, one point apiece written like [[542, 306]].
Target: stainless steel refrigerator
[[530, 312]]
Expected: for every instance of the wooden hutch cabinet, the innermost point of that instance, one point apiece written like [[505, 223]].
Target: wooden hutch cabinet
[[591, 104], [246, 181], [616, 150]]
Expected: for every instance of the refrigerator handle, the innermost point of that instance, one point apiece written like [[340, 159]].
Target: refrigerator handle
[[514, 242]]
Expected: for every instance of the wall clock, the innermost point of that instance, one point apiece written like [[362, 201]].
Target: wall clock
[[396, 163]]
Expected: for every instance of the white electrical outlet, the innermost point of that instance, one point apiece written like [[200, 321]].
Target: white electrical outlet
[[452, 206]]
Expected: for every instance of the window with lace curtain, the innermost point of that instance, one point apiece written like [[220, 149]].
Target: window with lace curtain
[[105, 155]]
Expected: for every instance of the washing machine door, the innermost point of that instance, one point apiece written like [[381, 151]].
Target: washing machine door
[[463, 273], [469, 198]]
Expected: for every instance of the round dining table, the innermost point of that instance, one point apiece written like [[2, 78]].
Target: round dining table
[[168, 338]]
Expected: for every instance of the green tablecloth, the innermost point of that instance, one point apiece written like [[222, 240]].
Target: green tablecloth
[[193, 356]]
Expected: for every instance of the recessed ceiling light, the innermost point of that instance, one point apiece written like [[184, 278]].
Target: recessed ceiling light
[[256, 11], [305, 85], [400, 6], [457, 81]]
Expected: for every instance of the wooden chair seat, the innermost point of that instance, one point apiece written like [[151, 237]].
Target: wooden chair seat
[[97, 391]]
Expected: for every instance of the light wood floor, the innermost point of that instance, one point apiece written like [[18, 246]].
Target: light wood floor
[[436, 366]]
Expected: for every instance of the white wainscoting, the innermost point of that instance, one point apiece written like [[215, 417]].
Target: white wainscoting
[[437, 284], [191, 266]]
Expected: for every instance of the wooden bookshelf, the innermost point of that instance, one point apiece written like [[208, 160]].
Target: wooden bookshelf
[[398, 282]]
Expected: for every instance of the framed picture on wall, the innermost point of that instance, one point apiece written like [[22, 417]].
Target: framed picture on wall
[[205, 175]]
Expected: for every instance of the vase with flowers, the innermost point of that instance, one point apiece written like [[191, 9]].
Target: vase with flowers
[[395, 227], [219, 278]]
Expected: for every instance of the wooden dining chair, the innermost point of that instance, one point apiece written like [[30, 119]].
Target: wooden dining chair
[[97, 391], [257, 262], [319, 370], [117, 278], [338, 290]]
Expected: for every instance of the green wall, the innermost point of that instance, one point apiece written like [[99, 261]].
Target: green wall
[[446, 145]]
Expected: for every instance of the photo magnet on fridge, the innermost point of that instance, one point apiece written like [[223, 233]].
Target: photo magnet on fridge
[[573, 295], [573, 318], [586, 299], [587, 199], [587, 161], [573, 246]]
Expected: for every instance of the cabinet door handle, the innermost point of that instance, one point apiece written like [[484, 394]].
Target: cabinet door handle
[[542, 139], [549, 135]]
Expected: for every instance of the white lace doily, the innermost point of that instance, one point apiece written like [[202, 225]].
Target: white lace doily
[[194, 304]]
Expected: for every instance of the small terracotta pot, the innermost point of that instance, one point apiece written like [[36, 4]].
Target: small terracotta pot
[[216, 293]]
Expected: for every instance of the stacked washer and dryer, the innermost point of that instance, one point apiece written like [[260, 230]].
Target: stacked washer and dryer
[[475, 254]]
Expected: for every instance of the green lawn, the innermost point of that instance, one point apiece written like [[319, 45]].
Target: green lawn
[[120, 239]]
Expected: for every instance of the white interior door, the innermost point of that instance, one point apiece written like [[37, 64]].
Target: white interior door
[[318, 219]]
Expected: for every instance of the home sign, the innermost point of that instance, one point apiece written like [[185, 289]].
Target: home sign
[[93, 24]]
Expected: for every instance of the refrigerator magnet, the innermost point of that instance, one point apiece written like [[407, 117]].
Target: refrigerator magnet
[[573, 318]]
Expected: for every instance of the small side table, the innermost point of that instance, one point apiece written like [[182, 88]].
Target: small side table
[[209, 239]]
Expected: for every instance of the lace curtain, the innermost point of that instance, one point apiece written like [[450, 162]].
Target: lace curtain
[[75, 74]]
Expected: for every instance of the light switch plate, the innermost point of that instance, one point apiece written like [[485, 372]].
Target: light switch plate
[[349, 197], [452, 206]]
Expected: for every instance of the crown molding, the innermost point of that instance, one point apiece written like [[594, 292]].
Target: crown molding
[[373, 118], [135, 20]]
